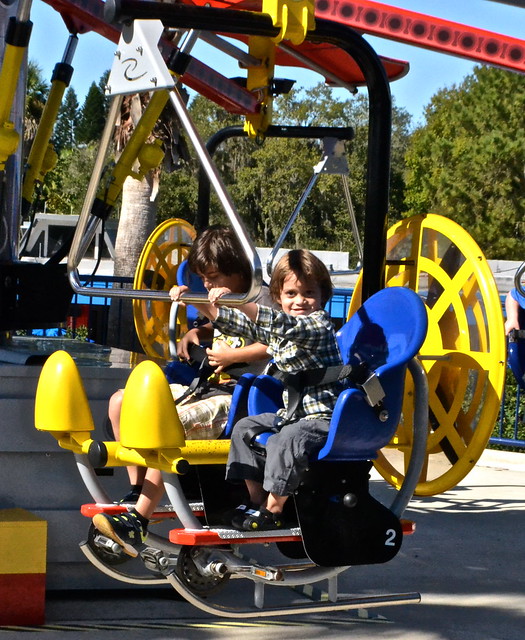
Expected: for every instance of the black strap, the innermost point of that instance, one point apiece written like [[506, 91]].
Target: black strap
[[515, 335], [250, 435], [295, 383], [199, 384]]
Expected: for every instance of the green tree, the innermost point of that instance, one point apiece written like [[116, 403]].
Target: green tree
[[92, 115], [67, 120], [266, 182], [467, 161], [65, 187]]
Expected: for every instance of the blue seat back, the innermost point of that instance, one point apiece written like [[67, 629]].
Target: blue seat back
[[266, 395], [186, 277], [239, 405], [387, 332], [516, 360], [516, 353]]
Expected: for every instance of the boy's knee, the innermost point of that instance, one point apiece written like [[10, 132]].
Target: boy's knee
[[114, 409]]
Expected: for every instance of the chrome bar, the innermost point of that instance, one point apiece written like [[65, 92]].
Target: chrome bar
[[353, 221], [244, 59], [227, 204], [517, 279], [419, 446], [113, 573], [81, 239], [70, 49], [178, 501], [88, 475], [318, 607], [292, 218], [23, 12], [318, 68]]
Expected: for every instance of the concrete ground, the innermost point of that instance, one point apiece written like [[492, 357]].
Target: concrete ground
[[467, 559]]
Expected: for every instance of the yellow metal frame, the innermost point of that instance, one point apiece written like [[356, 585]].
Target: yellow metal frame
[[148, 154], [42, 157], [295, 19], [9, 74], [151, 432]]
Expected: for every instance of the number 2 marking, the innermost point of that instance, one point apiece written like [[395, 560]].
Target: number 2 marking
[[390, 538]]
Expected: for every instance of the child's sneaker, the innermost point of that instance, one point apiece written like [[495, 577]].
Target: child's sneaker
[[262, 520], [237, 516], [125, 529]]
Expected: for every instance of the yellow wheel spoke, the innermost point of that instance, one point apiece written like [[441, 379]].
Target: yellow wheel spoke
[[164, 250], [463, 355]]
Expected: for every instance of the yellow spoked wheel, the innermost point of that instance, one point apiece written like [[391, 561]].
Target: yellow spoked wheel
[[164, 250], [463, 354]]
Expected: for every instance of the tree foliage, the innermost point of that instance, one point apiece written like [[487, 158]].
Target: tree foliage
[[267, 181], [467, 162], [67, 122], [92, 115]]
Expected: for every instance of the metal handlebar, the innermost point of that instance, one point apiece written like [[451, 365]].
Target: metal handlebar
[[517, 279]]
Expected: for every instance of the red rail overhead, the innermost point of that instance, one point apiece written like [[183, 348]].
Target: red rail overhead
[[410, 27], [425, 31]]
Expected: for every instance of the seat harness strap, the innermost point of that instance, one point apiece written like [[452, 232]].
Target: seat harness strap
[[295, 383]]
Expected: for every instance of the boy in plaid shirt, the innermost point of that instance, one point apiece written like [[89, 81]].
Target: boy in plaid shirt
[[299, 337]]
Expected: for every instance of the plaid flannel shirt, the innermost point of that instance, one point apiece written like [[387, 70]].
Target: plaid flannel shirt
[[296, 343]]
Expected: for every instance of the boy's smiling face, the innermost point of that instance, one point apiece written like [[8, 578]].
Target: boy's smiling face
[[298, 297], [214, 279]]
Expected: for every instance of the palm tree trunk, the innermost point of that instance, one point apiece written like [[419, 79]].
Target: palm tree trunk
[[137, 221]]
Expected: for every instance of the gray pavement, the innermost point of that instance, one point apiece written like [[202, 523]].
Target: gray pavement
[[466, 558]]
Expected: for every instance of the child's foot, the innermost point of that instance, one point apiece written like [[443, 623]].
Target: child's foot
[[238, 515], [124, 529], [262, 520]]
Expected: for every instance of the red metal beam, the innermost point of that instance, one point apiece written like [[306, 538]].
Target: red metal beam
[[409, 27], [425, 31]]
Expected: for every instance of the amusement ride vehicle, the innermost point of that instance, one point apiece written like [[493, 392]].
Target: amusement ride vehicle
[[422, 417]]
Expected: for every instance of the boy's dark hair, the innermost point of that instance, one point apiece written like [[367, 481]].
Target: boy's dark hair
[[217, 247], [305, 266]]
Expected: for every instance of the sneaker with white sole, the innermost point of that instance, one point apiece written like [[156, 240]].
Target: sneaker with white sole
[[125, 529]]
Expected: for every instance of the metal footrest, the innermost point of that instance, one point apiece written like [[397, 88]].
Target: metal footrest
[[192, 537], [164, 512]]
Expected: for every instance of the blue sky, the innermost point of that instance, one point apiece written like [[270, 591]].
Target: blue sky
[[429, 71]]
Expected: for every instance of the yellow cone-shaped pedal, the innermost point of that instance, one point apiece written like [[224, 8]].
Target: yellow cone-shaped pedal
[[61, 402], [149, 418]]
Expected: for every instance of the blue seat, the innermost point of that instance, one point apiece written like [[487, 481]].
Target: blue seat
[[238, 408], [387, 332], [186, 277], [516, 351], [516, 360]]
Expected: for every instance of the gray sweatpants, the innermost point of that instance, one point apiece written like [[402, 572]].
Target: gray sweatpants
[[287, 453]]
